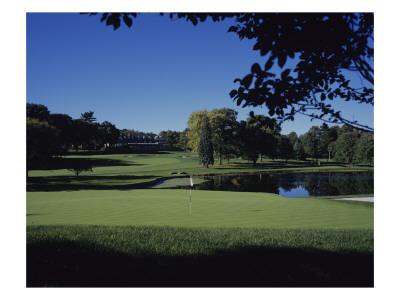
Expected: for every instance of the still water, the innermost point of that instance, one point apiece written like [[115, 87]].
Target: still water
[[285, 184]]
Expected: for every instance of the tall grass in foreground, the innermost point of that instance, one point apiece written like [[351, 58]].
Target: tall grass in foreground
[[128, 256]]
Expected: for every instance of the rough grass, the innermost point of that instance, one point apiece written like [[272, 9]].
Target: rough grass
[[128, 256]]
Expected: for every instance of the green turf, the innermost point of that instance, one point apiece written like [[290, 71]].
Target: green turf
[[209, 209]]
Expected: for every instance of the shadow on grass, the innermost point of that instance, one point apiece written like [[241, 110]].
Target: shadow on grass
[[64, 163], [283, 164], [72, 183], [73, 264]]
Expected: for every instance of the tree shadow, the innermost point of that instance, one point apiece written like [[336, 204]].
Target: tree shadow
[[72, 183], [82, 264], [65, 163], [283, 164]]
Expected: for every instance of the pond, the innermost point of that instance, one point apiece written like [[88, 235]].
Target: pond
[[302, 184]]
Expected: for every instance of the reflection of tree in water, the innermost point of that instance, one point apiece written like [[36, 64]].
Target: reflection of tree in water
[[357, 184], [338, 184], [319, 185], [290, 181], [248, 183], [316, 184]]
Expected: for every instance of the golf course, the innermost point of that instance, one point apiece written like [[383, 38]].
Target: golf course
[[109, 228]]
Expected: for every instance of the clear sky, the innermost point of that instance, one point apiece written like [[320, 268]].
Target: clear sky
[[149, 77]]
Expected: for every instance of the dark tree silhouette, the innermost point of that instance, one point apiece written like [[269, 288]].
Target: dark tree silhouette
[[78, 166], [37, 111], [206, 151], [88, 117], [324, 45]]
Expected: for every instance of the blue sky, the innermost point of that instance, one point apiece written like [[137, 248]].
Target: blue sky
[[149, 77]]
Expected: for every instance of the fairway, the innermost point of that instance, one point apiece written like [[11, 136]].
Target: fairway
[[209, 209]]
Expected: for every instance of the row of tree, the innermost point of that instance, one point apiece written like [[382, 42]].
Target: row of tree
[[208, 132], [218, 132], [51, 135], [343, 144]]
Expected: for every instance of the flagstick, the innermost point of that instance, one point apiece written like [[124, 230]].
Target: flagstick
[[190, 202]]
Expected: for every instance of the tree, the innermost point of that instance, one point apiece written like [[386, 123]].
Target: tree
[[331, 148], [311, 142], [195, 124], [63, 123], [324, 47], [223, 123], [364, 152], [88, 117], [37, 111], [298, 149], [89, 130], [184, 140], [171, 137], [285, 147], [345, 147], [257, 136], [327, 136], [292, 137], [108, 133], [248, 142], [79, 136], [41, 143], [345, 128], [266, 132], [205, 147], [77, 166]]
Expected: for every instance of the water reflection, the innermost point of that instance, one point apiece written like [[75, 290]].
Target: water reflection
[[292, 184]]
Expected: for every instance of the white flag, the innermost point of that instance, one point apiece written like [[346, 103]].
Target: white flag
[[191, 181]]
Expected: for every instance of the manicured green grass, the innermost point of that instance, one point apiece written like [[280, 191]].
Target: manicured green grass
[[209, 209], [173, 256]]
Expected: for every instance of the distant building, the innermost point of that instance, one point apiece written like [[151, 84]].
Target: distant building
[[141, 142]]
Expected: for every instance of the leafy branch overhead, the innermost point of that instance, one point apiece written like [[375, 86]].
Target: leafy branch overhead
[[326, 47]]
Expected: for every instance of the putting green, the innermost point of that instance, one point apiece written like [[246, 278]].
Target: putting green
[[209, 209]]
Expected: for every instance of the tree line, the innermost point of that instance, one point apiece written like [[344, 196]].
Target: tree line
[[215, 132], [260, 136], [51, 135]]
